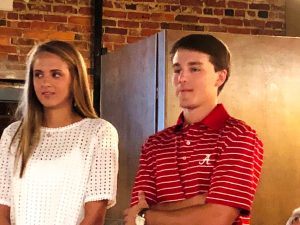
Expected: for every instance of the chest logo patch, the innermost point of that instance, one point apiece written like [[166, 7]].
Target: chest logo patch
[[206, 160]]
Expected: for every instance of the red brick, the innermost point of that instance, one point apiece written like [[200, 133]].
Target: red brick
[[230, 21], [19, 6], [66, 36], [215, 3], [144, 0], [138, 16], [112, 30], [113, 38], [12, 58], [237, 5], [37, 35], [162, 17], [4, 40], [8, 49], [240, 13], [84, 2], [73, 2], [151, 25], [193, 27], [3, 14], [82, 20], [2, 22], [219, 12], [128, 24], [10, 31], [107, 4], [148, 32], [107, 22], [109, 46], [37, 25], [211, 20], [22, 41], [115, 14], [186, 18], [12, 24], [24, 49], [251, 13], [168, 1], [80, 44], [31, 17], [48, 1], [39, 7], [64, 9], [216, 29], [171, 26], [236, 30], [3, 56], [12, 16], [277, 8], [131, 39], [259, 6], [134, 32], [85, 11], [258, 23], [15, 66], [56, 18], [275, 24], [24, 24], [175, 8], [191, 2]]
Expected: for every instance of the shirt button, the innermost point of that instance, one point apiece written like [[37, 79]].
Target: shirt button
[[188, 142]]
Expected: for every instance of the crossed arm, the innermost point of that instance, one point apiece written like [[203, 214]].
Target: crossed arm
[[4, 215], [178, 213]]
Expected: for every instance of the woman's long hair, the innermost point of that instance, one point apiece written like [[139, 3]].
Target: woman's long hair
[[30, 110]]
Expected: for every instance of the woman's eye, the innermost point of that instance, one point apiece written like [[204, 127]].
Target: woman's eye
[[37, 74], [56, 74]]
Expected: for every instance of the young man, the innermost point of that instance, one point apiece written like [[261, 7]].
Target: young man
[[205, 169]]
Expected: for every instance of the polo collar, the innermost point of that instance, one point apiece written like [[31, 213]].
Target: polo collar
[[215, 120]]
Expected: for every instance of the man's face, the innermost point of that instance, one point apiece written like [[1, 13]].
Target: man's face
[[195, 79]]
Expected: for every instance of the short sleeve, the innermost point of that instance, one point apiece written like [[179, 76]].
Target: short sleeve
[[102, 182], [144, 180], [236, 174], [5, 169]]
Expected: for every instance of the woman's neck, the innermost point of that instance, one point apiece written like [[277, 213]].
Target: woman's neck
[[54, 118]]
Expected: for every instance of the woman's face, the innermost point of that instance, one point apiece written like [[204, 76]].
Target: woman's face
[[52, 81]]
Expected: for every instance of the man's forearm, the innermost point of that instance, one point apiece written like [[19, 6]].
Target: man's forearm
[[209, 214]]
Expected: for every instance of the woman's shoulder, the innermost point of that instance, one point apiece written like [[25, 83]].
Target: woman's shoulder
[[11, 129], [100, 125]]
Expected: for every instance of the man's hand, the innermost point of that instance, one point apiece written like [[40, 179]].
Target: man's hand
[[131, 213]]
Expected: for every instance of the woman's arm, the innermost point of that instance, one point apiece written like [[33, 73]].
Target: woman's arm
[[4, 215], [94, 213]]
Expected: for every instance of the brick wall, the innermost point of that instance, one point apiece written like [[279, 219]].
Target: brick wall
[[130, 20], [40, 20]]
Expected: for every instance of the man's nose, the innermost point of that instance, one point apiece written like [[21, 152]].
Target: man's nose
[[182, 77]]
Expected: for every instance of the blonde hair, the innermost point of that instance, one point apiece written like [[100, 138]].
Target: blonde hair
[[30, 110]]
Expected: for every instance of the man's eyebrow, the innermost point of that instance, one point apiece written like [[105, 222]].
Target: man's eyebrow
[[193, 63]]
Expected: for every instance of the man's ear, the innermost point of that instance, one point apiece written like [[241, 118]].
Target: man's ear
[[222, 75]]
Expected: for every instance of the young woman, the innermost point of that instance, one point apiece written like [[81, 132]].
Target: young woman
[[58, 162]]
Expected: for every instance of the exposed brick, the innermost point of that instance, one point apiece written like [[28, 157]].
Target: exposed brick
[[186, 18], [37, 25], [12, 16], [258, 23], [132, 39], [37, 35], [3, 14], [64, 9], [56, 18], [151, 25], [162, 17], [22, 41], [107, 4], [215, 3], [171, 26], [259, 6], [275, 24], [61, 36], [130, 6], [251, 13], [134, 32], [85, 11], [168, 1], [219, 12], [148, 32], [138, 16], [211, 20], [10, 31], [73, 2], [2, 22], [232, 21], [277, 8], [112, 30], [216, 28], [128, 24], [15, 67], [80, 44], [3, 56], [191, 2], [39, 7], [8, 49], [208, 11], [86, 21], [229, 12], [240, 13], [48, 1], [115, 14], [12, 24], [24, 24], [84, 2], [193, 27], [24, 49], [238, 5], [175, 8], [236, 30], [107, 22], [19, 6], [31, 16], [263, 14], [116, 38], [12, 58], [4, 40]]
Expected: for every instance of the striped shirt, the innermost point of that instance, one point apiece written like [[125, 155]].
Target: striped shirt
[[220, 156]]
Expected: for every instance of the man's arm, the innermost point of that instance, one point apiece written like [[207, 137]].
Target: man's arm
[[94, 213], [4, 215]]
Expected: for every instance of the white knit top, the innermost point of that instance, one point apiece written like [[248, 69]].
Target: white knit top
[[71, 165]]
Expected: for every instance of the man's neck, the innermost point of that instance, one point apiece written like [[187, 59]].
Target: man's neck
[[197, 114]]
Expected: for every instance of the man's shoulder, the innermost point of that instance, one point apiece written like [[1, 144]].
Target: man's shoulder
[[238, 126], [161, 135]]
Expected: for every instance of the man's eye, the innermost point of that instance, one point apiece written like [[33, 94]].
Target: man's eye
[[195, 69], [176, 71]]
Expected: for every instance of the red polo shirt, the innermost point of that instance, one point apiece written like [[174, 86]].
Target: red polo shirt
[[220, 156]]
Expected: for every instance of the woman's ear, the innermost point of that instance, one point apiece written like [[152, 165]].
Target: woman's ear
[[222, 75]]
